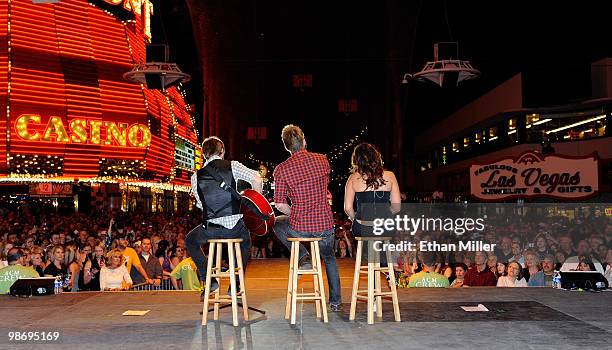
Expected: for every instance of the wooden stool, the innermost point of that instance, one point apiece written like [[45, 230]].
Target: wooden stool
[[319, 290], [234, 254], [373, 271]]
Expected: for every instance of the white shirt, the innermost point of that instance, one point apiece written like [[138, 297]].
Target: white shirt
[[571, 264], [608, 275], [113, 278], [507, 281], [240, 172]]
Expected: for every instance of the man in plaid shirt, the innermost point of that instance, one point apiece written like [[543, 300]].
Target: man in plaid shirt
[[302, 180]]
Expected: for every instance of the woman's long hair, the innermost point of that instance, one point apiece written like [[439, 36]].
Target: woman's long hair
[[162, 246], [367, 162]]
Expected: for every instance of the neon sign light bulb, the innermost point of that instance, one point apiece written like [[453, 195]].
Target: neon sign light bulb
[[55, 126]]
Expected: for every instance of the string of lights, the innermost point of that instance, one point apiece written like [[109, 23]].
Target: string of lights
[[338, 177]]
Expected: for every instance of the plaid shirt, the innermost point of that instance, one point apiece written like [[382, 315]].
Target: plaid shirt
[[240, 172], [303, 178]]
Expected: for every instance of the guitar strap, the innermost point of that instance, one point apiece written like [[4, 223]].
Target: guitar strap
[[228, 187]]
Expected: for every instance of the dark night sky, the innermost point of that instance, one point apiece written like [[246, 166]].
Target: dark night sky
[[346, 46]]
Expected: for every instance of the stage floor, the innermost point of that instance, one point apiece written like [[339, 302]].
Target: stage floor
[[519, 318]]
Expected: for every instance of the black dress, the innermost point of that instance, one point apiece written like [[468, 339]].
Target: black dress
[[370, 205]]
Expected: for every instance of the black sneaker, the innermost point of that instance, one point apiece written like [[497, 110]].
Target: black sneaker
[[335, 307], [214, 285], [305, 263], [229, 289]]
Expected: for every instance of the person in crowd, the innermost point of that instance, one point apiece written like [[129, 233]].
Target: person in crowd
[[504, 251], [27, 254], [468, 260], [517, 254], [560, 259], [37, 260], [544, 278], [163, 256], [608, 269], [114, 276], [3, 261], [137, 247], [500, 269], [29, 243], [566, 245], [186, 272], [532, 264], [55, 239], [480, 275], [150, 264], [428, 278], [513, 277], [541, 246], [130, 258], [71, 261], [56, 267], [602, 253], [177, 256], [583, 248], [15, 270], [91, 270], [221, 209], [492, 263], [302, 180], [342, 251], [460, 271], [585, 264]]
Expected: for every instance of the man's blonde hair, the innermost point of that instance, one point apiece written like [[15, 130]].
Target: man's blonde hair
[[293, 138]]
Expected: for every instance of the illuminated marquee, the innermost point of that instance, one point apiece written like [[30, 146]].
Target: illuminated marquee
[[128, 9], [82, 131], [535, 175]]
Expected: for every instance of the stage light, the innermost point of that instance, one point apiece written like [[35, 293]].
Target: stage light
[[46, 1], [446, 70]]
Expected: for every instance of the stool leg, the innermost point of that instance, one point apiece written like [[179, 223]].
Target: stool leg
[[315, 282], [370, 293], [218, 270], [241, 279], [320, 277], [356, 281], [396, 310], [232, 275], [295, 256], [209, 265], [289, 283], [378, 290]]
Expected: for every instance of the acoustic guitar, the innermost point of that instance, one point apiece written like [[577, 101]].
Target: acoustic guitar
[[253, 221]]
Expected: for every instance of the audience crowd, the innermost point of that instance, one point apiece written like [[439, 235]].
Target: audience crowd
[[117, 250]]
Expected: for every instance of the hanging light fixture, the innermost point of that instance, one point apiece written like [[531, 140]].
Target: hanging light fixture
[[446, 70], [157, 72]]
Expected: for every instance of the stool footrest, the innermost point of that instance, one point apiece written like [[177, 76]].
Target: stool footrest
[[308, 298], [304, 294]]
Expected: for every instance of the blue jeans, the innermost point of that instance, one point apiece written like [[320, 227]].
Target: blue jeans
[[199, 236], [326, 246]]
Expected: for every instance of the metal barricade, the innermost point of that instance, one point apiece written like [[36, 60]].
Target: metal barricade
[[166, 284]]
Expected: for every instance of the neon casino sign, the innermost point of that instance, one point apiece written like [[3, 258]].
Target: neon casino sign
[[128, 9], [82, 131]]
